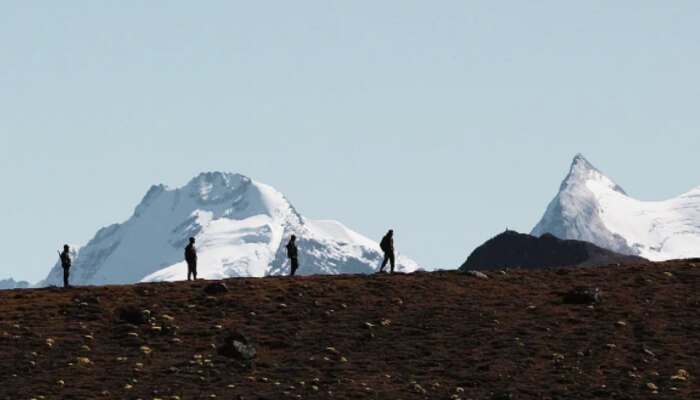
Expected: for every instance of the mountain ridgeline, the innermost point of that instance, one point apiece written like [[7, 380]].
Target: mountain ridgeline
[[241, 227]]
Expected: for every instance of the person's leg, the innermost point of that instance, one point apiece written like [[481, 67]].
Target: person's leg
[[392, 259], [386, 258], [65, 277], [295, 265], [189, 271], [194, 271]]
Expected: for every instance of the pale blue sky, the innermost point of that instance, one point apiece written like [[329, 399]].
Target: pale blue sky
[[445, 120]]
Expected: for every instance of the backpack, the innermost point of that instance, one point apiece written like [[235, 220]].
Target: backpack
[[384, 244]]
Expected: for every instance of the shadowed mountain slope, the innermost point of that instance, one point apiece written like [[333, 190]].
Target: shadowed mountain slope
[[513, 249]]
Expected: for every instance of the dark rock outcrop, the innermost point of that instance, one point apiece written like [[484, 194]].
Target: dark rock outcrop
[[133, 315], [513, 249], [240, 348], [215, 288], [583, 295]]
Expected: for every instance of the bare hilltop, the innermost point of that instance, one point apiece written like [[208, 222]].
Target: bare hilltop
[[628, 332]]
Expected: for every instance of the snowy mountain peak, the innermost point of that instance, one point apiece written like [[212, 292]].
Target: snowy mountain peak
[[582, 172], [591, 207], [216, 187], [580, 159], [241, 227]]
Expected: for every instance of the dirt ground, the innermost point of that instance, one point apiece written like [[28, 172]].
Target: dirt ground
[[438, 335]]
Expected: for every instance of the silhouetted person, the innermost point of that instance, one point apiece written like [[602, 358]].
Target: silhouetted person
[[191, 258], [65, 263], [387, 246], [293, 254]]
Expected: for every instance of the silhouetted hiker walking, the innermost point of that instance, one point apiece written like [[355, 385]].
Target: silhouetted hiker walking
[[387, 246], [65, 263], [191, 258], [293, 254]]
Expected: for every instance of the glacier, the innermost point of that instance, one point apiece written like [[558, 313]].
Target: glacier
[[591, 207]]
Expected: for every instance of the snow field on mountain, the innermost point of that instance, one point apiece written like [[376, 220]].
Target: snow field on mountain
[[661, 230]]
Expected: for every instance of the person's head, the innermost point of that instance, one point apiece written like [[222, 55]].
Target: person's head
[[191, 240], [65, 247], [293, 238], [391, 232]]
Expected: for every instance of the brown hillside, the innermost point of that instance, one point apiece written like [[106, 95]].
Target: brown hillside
[[441, 335]]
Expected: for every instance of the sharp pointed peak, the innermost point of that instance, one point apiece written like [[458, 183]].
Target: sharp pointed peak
[[582, 171], [581, 163], [582, 168]]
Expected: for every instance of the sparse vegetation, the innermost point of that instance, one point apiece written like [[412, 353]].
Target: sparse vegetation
[[441, 335]]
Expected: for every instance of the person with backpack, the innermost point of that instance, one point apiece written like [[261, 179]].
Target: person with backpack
[[293, 253], [387, 246], [191, 258], [66, 264]]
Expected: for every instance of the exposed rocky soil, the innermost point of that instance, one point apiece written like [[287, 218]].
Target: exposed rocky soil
[[440, 335]]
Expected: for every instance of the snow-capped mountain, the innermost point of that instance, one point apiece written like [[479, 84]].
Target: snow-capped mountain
[[591, 207], [241, 227]]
